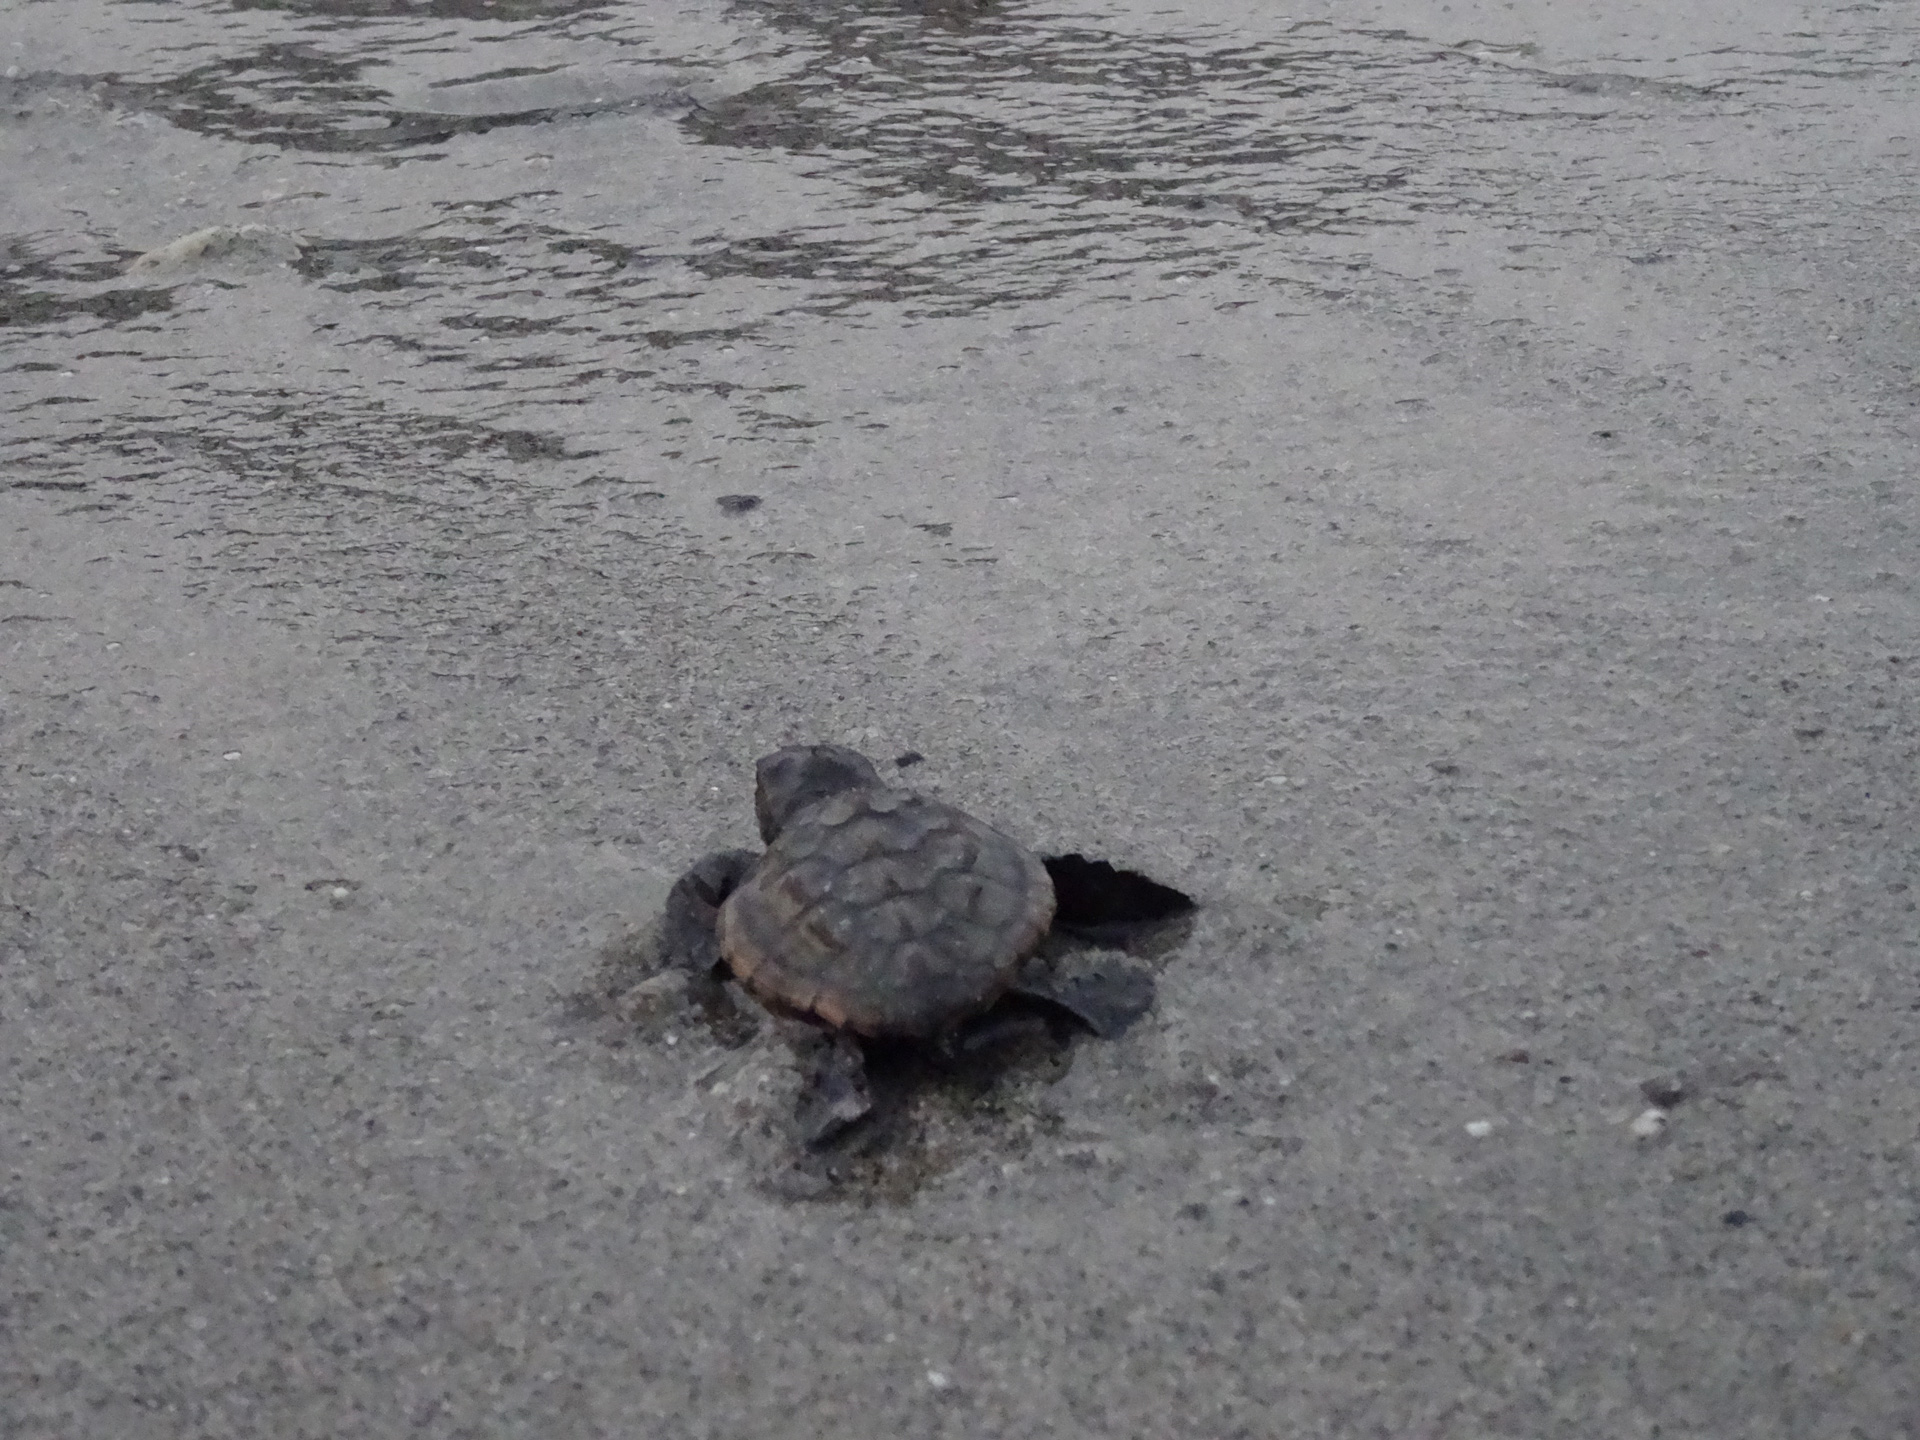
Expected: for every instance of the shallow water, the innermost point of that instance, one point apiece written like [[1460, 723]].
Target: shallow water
[[560, 269], [546, 244]]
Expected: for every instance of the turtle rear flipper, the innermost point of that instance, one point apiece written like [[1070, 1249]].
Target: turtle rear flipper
[[687, 937], [835, 1094]]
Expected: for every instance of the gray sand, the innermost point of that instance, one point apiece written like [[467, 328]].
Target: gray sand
[[1437, 485]]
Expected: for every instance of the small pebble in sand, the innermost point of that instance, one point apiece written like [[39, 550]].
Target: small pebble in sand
[[1650, 1123], [1479, 1129], [1664, 1091]]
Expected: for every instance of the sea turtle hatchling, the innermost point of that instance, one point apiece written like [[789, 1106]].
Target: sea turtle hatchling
[[878, 913]]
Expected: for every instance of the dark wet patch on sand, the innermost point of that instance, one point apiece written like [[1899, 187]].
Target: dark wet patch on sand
[[872, 1122]]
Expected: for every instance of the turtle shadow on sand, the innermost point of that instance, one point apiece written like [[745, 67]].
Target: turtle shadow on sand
[[908, 953]]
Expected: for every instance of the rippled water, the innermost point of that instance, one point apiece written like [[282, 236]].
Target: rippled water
[[478, 256], [510, 215]]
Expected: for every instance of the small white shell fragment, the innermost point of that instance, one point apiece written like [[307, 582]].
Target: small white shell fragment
[[1479, 1129], [1649, 1123], [939, 1379]]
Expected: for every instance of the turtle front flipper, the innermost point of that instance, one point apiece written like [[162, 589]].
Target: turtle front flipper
[[1100, 990], [687, 937]]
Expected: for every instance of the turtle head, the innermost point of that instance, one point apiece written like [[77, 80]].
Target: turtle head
[[791, 779]]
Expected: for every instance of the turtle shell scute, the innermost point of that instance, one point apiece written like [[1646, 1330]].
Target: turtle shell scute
[[886, 913]]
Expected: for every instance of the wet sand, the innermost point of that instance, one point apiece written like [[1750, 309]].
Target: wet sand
[[1435, 486]]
